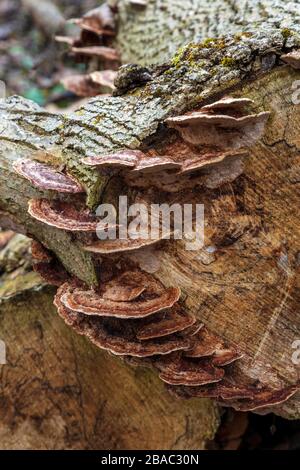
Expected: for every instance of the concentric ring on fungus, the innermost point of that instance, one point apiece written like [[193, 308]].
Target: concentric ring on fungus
[[64, 216], [115, 335], [176, 369], [46, 177], [91, 303], [205, 343]]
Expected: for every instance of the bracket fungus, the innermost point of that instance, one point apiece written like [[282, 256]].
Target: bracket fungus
[[91, 303], [292, 58], [116, 335], [167, 322], [222, 130], [214, 142], [205, 344], [64, 216], [46, 177], [108, 53], [91, 84], [175, 369], [124, 158], [100, 20]]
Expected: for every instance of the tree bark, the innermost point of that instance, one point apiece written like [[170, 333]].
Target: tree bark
[[247, 290]]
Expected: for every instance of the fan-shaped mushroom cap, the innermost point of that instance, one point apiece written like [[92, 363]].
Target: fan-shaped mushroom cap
[[125, 288], [228, 102], [104, 78], [178, 370], [100, 20], [205, 343], [292, 58], [63, 216], [199, 128], [91, 84], [115, 335], [211, 158], [91, 303], [122, 245], [154, 164], [193, 329], [124, 158], [263, 399], [46, 177], [99, 51], [226, 389], [165, 323], [65, 40]]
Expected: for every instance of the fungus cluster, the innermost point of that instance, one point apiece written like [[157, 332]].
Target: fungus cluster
[[209, 152], [97, 30]]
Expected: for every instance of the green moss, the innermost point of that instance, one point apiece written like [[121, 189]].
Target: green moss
[[228, 62], [286, 33], [178, 57], [192, 52]]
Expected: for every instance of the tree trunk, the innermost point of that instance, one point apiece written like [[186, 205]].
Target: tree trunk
[[243, 283]]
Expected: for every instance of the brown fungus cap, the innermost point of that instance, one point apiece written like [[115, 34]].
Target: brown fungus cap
[[99, 20], [221, 130], [263, 399], [124, 158], [122, 245], [178, 370], [205, 343], [228, 103], [125, 288], [91, 84], [46, 177], [164, 323], [64, 216], [114, 335], [292, 58], [91, 303], [156, 164], [103, 52]]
